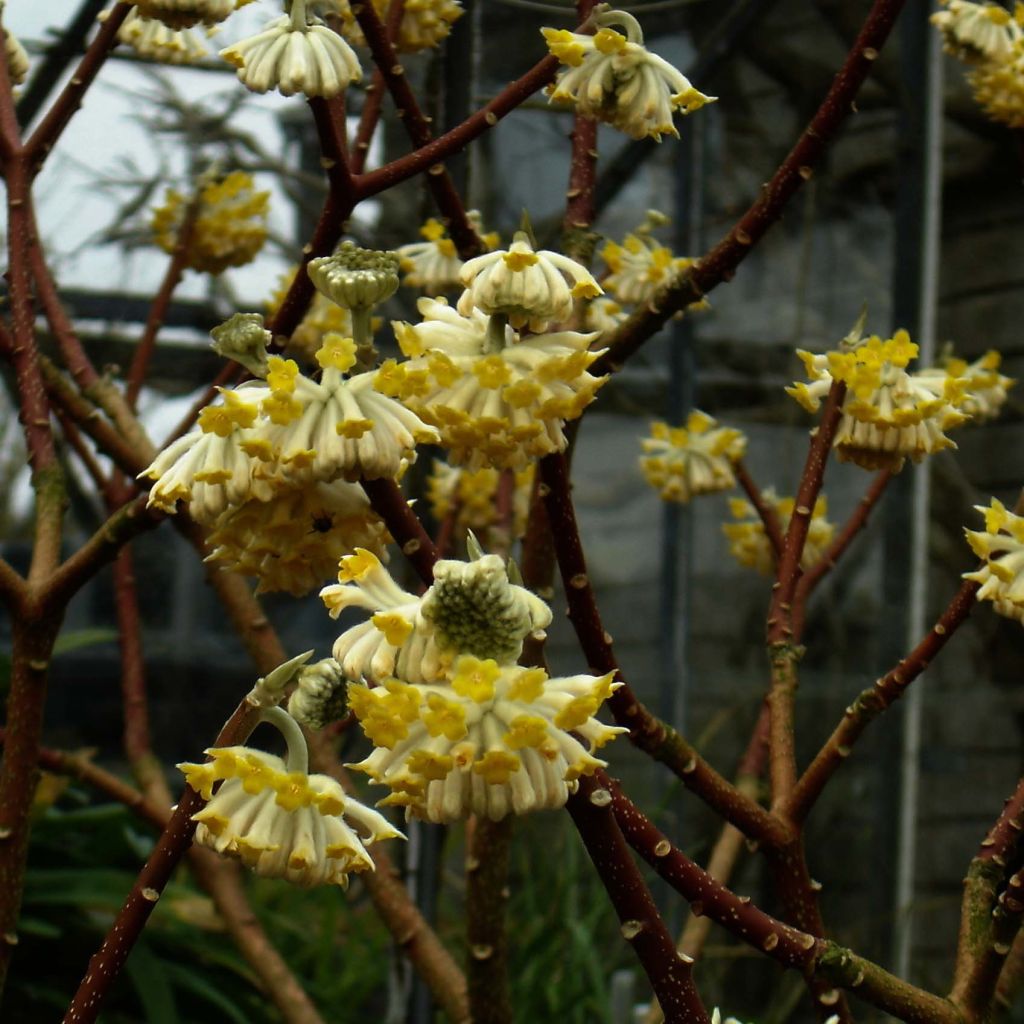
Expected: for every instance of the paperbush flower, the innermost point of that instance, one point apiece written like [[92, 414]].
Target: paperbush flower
[[292, 541], [749, 544], [495, 404], [209, 467], [640, 265], [337, 426], [293, 54], [179, 14], [230, 224], [153, 39], [984, 387], [279, 820], [433, 265], [530, 288], [604, 314], [472, 608], [473, 497], [493, 740], [696, 459], [978, 32], [998, 87], [614, 78], [424, 23], [888, 413], [1001, 546]]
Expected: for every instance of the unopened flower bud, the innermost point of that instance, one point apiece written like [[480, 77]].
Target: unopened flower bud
[[244, 339], [356, 278], [319, 695]]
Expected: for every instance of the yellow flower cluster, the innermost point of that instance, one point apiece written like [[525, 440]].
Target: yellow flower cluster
[[473, 497], [749, 544], [491, 740], [229, 228], [990, 38], [696, 459], [282, 823], [292, 542], [433, 265], [152, 39], [888, 413], [494, 405], [424, 23], [639, 267], [613, 77], [1001, 547], [458, 726]]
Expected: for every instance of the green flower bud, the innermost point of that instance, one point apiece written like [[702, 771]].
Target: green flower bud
[[356, 278], [244, 339], [319, 695]]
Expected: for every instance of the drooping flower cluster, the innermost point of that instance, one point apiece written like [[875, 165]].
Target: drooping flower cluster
[[295, 53], [179, 14], [153, 39], [496, 401], [229, 223], [473, 497], [978, 32], [533, 289], [640, 265], [990, 39], [695, 459], [888, 413], [293, 540], [433, 265], [457, 725], [1001, 546], [424, 24], [985, 388], [279, 820], [614, 78], [749, 544]]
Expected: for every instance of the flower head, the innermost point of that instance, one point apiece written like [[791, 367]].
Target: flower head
[[613, 77], [473, 497], [493, 740], [888, 413], [534, 288], [640, 265], [1001, 546], [696, 459], [984, 387], [179, 14], [433, 265], [998, 86], [338, 426], [319, 697], [472, 608], [356, 278], [229, 226], [292, 539], [277, 818], [495, 403], [153, 39], [977, 32], [295, 54], [749, 544], [424, 24], [209, 467]]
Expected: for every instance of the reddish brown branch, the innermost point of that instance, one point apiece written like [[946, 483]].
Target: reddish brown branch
[[721, 262], [404, 525], [369, 117], [670, 975], [56, 119], [873, 701], [851, 528], [647, 731]]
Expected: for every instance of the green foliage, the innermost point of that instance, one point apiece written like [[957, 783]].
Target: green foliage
[[185, 969]]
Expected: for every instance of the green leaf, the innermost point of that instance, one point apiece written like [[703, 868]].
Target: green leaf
[[78, 638], [151, 980], [192, 981]]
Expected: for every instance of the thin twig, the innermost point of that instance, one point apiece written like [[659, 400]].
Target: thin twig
[[769, 517]]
